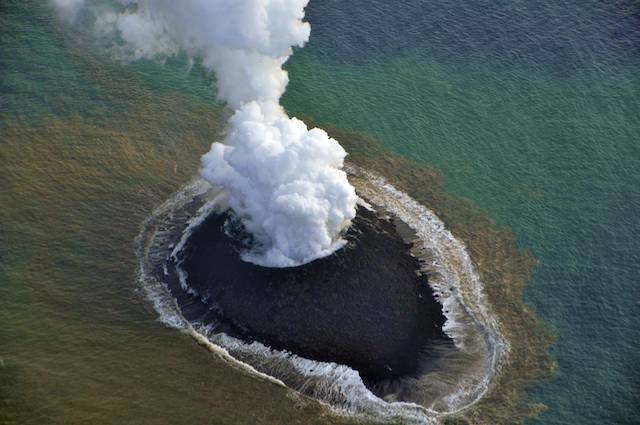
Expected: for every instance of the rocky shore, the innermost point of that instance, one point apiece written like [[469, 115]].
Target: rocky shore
[[366, 306]]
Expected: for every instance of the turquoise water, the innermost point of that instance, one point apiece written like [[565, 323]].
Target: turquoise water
[[530, 110], [533, 112]]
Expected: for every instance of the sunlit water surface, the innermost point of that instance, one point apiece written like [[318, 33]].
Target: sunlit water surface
[[530, 111]]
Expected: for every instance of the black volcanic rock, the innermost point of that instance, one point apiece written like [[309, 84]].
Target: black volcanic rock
[[365, 306]]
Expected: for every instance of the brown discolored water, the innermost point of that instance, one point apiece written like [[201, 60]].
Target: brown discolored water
[[79, 341]]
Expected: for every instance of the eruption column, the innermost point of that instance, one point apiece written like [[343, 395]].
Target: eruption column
[[283, 180]]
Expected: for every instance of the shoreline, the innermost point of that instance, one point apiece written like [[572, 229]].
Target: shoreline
[[472, 328], [364, 306]]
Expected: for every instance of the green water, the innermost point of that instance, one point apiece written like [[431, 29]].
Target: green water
[[545, 138]]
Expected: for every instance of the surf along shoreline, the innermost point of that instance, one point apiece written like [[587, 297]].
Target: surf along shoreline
[[488, 398]]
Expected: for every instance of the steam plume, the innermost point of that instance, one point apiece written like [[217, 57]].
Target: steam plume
[[284, 181]]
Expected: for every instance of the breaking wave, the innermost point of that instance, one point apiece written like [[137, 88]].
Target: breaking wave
[[460, 376]]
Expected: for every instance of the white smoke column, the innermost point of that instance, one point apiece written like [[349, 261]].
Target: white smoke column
[[285, 182]]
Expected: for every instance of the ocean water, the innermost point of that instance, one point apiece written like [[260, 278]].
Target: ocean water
[[531, 111]]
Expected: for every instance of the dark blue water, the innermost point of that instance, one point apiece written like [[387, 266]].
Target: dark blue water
[[565, 36]]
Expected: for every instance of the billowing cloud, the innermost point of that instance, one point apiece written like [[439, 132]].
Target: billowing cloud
[[285, 181]]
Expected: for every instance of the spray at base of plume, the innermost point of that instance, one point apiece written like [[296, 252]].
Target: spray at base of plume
[[285, 183]]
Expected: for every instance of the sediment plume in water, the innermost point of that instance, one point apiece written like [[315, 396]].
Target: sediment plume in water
[[365, 344], [503, 268]]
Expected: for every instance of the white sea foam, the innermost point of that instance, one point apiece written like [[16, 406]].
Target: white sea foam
[[150, 245], [456, 284], [452, 276]]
